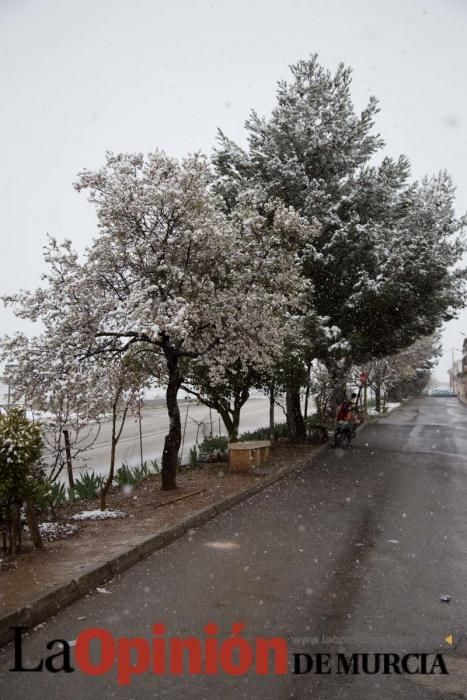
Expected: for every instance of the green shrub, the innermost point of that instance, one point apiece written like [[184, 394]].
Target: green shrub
[[139, 474], [214, 442], [22, 476], [21, 472], [193, 459], [57, 495], [88, 485], [132, 476], [213, 447], [280, 430], [124, 476], [71, 495], [314, 419]]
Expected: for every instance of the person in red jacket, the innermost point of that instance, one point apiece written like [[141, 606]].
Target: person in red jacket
[[343, 410], [345, 420]]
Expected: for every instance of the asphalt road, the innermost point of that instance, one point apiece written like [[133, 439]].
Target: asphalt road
[[154, 427], [349, 555]]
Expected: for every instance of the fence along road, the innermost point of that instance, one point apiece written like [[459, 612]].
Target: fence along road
[[154, 427]]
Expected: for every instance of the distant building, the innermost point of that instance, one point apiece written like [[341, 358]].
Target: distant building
[[458, 374]]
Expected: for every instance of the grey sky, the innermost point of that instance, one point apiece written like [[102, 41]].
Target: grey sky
[[78, 78]]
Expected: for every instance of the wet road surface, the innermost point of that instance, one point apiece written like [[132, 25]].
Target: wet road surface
[[350, 555]]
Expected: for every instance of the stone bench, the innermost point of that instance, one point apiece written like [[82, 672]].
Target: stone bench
[[244, 456]]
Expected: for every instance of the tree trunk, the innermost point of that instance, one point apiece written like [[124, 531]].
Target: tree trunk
[[174, 437], [231, 419], [377, 389], [231, 416], [113, 445], [69, 463], [15, 543], [233, 436], [295, 422], [32, 524], [307, 392]]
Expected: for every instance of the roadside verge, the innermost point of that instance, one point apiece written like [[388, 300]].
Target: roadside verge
[[55, 598], [40, 607]]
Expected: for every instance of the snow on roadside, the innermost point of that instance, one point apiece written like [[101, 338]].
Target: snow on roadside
[[55, 531], [389, 406], [98, 515]]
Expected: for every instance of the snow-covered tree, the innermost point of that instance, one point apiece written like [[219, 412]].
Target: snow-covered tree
[[121, 382], [228, 397], [379, 372], [411, 368], [59, 391], [382, 266], [173, 274], [279, 249], [21, 476], [75, 394]]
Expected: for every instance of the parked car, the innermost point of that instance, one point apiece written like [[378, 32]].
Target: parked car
[[442, 392]]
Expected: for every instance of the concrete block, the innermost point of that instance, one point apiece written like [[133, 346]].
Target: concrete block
[[172, 533], [150, 544], [54, 600], [125, 560], [16, 618], [199, 517], [229, 502], [93, 577]]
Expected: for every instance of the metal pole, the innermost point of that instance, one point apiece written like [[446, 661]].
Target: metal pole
[[140, 434], [184, 430], [210, 419]]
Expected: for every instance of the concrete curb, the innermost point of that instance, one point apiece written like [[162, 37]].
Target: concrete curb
[[59, 597]]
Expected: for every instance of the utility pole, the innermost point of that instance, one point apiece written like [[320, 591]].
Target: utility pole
[[140, 434], [184, 431]]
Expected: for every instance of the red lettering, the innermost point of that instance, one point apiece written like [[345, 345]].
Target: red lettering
[[279, 646], [124, 664], [82, 651]]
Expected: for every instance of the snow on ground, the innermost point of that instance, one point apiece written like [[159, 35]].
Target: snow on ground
[[55, 531], [98, 514], [390, 407]]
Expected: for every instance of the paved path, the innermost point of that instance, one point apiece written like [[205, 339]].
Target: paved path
[[354, 551]]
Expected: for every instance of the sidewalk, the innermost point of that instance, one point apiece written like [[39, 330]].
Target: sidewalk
[[45, 581]]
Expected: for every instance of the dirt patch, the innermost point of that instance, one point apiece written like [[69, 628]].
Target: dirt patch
[[147, 510]]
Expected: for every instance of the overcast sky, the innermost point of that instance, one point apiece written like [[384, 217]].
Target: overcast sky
[[79, 78]]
